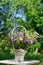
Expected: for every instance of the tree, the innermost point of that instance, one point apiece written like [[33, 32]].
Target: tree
[[33, 12]]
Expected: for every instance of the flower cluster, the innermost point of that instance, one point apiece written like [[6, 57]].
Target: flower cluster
[[19, 36], [22, 39]]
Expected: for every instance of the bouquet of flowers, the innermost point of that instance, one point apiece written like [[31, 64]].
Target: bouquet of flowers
[[21, 38]]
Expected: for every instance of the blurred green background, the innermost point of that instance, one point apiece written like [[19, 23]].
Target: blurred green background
[[28, 13]]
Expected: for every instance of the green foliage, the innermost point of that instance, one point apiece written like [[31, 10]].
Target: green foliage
[[34, 20]]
